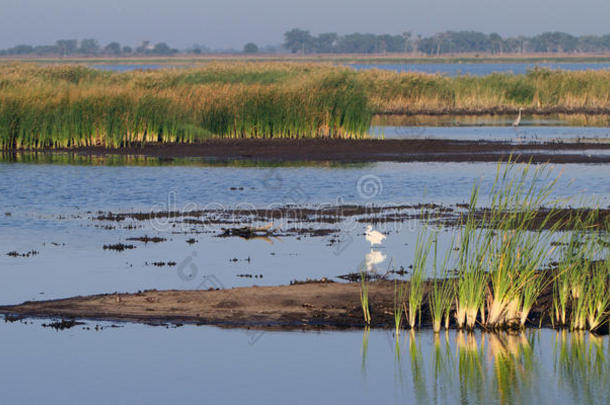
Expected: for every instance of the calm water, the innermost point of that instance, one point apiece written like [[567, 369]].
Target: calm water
[[527, 132], [478, 69], [48, 205], [451, 69], [51, 208], [127, 67], [143, 364]]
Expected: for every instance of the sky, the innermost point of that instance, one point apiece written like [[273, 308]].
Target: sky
[[232, 23]]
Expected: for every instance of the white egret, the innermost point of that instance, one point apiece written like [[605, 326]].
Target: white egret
[[374, 237]]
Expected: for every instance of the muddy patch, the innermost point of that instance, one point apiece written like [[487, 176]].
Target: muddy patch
[[147, 239], [363, 150], [119, 247], [26, 254], [63, 324]]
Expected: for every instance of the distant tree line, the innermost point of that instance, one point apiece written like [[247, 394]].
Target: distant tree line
[[90, 47], [301, 41]]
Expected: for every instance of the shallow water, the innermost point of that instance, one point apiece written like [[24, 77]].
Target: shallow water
[[52, 207], [478, 69], [522, 134], [450, 69], [144, 364], [48, 204], [127, 67]]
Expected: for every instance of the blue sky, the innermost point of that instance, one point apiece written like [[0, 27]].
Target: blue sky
[[231, 23]]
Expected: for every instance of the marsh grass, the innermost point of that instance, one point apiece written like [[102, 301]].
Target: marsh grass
[[364, 296], [505, 254], [539, 89], [519, 245], [424, 243], [73, 106], [442, 293], [68, 106], [473, 245], [400, 293]]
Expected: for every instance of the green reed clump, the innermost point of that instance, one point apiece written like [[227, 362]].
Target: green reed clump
[[473, 244], [441, 295], [581, 286], [415, 298], [519, 246], [364, 297], [598, 296], [400, 293]]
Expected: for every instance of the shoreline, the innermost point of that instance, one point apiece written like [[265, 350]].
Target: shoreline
[[474, 57], [494, 110], [345, 150], [310, 305]]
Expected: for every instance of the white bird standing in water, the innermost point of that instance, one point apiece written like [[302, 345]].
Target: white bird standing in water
[[517, 121], [374, 237]]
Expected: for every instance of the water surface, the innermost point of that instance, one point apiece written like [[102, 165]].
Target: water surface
[[478, 69], [52, 210], [144, 364]]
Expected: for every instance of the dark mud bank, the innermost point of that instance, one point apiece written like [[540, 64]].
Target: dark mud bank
[[365, 150], [309, 305]]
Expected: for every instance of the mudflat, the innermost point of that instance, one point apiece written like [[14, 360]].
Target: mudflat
[[364, 150], [306, 305]]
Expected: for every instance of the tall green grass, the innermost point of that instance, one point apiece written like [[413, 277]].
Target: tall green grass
[[73, 106], [416, 292], [68, 106], [505, 252], [537, 90], [442, 292]]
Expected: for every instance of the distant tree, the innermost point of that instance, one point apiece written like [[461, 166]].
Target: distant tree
[[390, 43], [554, 42], [298, 40], [407, 39], [250, 47], [144, 47], [326, 42], [67, 46], [199, 49], [47, 50], [127, 49], [497, 43], [89, 47], [20, 50], [113, 48], [270, 49], [357, 43], [605, 41], [163, 49], [512, 45]]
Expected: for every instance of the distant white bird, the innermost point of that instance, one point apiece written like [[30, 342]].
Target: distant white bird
[[517, 121], [374, 237], [373, 258]]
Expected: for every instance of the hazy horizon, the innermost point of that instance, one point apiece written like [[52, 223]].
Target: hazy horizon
[[182, 23]]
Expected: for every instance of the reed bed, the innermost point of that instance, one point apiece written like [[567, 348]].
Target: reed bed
[[509, 258], [539, 90], [73, 106], [70, 106]]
